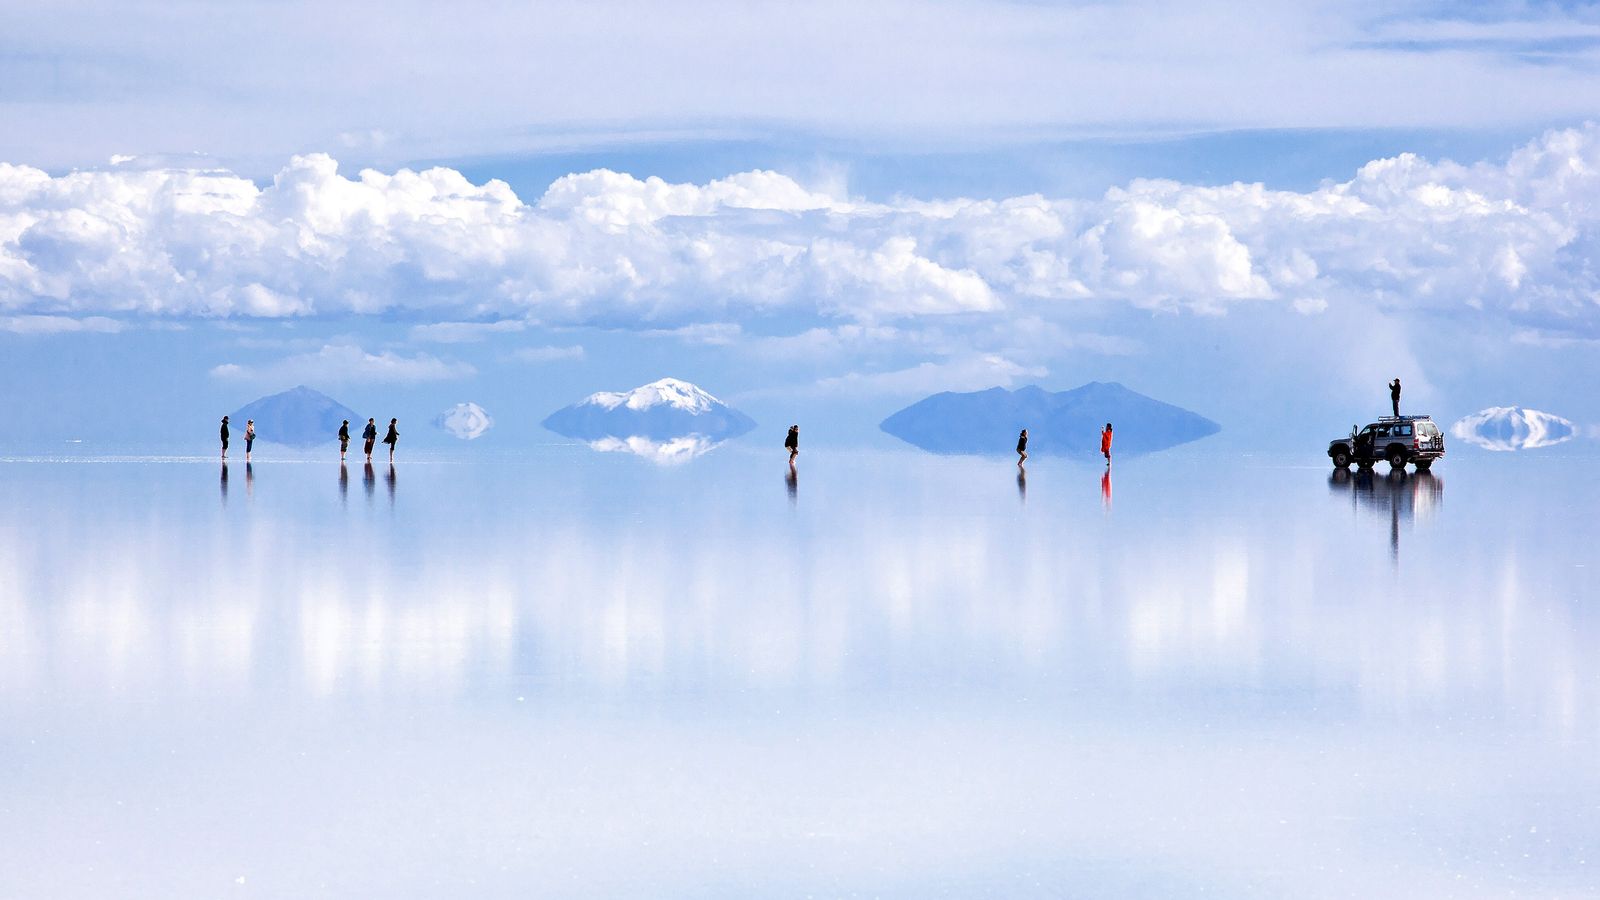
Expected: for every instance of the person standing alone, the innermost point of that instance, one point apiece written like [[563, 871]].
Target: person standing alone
[[249, 440], [369, 436], [392, 438], [1022, 448], [792, 443], [344, 439], [1394, 396], [224, 437], [1105, 444]]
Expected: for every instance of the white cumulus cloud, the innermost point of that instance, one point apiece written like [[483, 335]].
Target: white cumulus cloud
[[547, 354], [345, 363], [1510, 241], [467, 421]]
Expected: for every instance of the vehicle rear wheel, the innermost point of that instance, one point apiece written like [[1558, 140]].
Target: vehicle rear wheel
[[1396, 458], [1341, 458]]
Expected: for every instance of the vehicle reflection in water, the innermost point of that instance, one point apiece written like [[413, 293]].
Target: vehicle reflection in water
[[1399, 494]]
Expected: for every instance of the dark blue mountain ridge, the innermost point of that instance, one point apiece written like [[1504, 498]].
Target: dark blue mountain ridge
[[661, 410], [298, 417], [1065, 423]]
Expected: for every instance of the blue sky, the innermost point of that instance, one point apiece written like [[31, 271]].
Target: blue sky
[[818, 212]]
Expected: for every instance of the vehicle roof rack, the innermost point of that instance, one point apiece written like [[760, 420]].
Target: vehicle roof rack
[[1405, 418]]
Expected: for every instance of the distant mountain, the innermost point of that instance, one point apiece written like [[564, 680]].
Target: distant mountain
[[664, 410], [1067, 423], [298, 417], [1506, 428]]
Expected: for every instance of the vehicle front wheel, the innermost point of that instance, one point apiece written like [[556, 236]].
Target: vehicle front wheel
[[1341, 458], [1396, 458]]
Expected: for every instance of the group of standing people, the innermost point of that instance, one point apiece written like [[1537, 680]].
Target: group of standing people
[[249, 437], [1022, 446], [369, 436]]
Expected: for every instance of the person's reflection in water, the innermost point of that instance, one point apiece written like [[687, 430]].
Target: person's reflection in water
[[249, 481], [1022, 484], [1105, 491], [369, 481], [224, 484], [388, 481], [791, 480], [344, 484]]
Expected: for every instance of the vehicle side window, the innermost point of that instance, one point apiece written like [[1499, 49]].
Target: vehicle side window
[[1405, 430], [1381, 431]]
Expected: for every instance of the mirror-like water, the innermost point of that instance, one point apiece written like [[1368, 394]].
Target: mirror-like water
[[579, 674]]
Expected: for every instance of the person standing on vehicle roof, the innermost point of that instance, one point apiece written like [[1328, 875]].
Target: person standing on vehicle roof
[[1394, 396]]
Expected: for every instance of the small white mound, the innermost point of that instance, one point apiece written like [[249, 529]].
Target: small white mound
[[466, 421], [666, 392], [1506, 428]]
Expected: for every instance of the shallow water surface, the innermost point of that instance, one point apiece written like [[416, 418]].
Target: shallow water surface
[[580, 674]]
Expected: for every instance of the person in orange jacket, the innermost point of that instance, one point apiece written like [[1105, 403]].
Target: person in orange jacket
[[1105, 444]]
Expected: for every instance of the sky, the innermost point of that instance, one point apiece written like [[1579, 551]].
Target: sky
[[818, 212]]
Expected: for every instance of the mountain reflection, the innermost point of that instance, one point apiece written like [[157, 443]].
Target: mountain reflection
[[710, 599], [667, 451]]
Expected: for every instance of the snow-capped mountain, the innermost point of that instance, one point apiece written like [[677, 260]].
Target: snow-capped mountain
[[668, 391], [661, 411], [467, 421], [1512, 428]]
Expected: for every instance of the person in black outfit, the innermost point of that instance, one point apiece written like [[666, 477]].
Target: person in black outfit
[[344, 439], [1022, 448], [1394, 396], [792, 443], [370, 436], [224, 437], [392, 438]]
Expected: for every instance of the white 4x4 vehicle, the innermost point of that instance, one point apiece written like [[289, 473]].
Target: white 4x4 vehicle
[[1398, 439]]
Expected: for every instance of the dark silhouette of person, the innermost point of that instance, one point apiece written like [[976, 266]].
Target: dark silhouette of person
[[1022, 484], [1394, 396], [344, 439], [370, 436], [224, 484], [392, 438], [249, 439], [1105, 444], [1022, 448], [224, 438], [344, 483], [388, 481], [792, 443], [369, 480], [791, 480]]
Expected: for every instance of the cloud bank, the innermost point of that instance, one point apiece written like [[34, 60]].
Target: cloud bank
[[346, 363], [1509, 241]]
